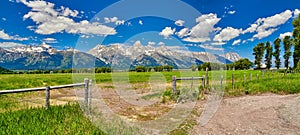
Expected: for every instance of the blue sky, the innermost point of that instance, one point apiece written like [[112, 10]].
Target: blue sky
[[199, 25]]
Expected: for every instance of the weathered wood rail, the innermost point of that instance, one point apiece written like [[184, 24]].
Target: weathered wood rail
[[87, 84], [174, 79]]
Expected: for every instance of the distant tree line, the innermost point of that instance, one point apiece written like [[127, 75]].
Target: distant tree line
[[241, 64], [166, 68], [288, 42]]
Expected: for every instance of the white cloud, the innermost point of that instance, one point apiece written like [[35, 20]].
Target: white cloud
[[232, 12], [67, 12], [151, 43], [3, 19], [183, 32], [264, 33], [209, 47], [114, 20], [50, 40], [281, 36], [236, 42], [227, 34], [296, 13], [196, 40], [204, 28], [267, 26], [5, 36], [161, 43], [179, 22], [140, 22], [167, 32], [10, 45], [50, 21], [218, 43], [251, 29]]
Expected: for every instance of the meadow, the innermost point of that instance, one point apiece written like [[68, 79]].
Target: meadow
[[69, 119]]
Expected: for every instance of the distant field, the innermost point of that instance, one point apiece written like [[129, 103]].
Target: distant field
[[266, 82]]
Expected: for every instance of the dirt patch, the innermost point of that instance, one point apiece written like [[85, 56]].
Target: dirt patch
[[265, 114]]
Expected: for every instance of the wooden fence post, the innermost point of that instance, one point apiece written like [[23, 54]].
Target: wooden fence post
[[173, 85], [257, 76], [90, 95], [244, 79], [206, 77], [250, 76], [232, 81], [47, 97], [221, 82], [203, 81], [86, 92], [262, 74]]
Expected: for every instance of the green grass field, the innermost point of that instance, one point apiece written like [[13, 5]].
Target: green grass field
[[69, 119]]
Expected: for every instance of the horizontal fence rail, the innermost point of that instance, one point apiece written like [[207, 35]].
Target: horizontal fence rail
[[87, 84], [40, 88]]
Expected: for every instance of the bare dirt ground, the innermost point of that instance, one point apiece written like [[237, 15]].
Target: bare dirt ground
[[261, 114], [265, 114]]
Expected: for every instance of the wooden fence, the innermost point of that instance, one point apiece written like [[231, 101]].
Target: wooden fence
[[87, 91]]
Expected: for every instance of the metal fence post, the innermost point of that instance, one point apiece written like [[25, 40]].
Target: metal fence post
[[47, 97], [86, 91]]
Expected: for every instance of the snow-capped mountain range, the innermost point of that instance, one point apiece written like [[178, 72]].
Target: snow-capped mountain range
[[45, 57], [118, 56], [122, 56]]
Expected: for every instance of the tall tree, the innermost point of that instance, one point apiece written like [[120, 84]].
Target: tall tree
[[268, 56], [287, 51], [296, 35], [276, 54], [258, 51]]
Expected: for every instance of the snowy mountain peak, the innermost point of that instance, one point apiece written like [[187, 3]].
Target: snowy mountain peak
[[148, 55]]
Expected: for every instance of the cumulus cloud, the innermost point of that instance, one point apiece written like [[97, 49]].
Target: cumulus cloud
[[296, 13], [281, 36], [161, 43], [183, 32], [50, 40], [227, 34], [151, 43], [179, 22], [114, 20], [231, 12], [209, 47], [267, 26], [236, 42], [167, 32], [264, 33], [140, 22], [5, 36], [10, 45], [50, 21], [203, 29]]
